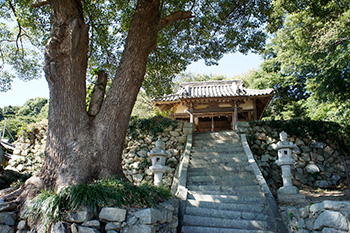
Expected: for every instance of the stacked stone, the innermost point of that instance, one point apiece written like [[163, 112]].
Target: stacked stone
[[30, 147], [317, 164], [325, 217], [136, 161], [162, 218], [8, 217]]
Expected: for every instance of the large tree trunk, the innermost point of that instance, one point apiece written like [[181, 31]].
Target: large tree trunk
[[80, 147], [65, 71]]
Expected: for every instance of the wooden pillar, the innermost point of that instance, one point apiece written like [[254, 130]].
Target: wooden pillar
[[191, 115], [212, 123], [196, 124], [255, 114], [234, 118]]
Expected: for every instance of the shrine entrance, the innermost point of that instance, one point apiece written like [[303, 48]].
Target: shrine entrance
[[213, 123], [215, 105]]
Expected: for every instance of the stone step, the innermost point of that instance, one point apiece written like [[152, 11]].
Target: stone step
[[217, 164], [219, 159], [212, 154], [227, 214], [225, 198], [235, 180], [201, 155], [245, 194], [216, 151], [218, 141], [224, 188], [223, 166], [221, 134], [217, 205], [201, 229], [192, 171], [206, 148], [228, 223]]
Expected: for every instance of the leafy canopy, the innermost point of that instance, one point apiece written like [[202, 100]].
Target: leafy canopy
[[307, 60], [217, 27]]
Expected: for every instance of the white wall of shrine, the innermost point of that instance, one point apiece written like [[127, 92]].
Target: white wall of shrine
[[247, 105]]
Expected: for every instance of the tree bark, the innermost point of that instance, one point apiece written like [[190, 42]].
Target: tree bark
[[98, 93], [81, 147], [65, 71]]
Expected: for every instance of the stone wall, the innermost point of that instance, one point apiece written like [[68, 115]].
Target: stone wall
[[163, 218], [318, 164], [136, 162], [325, 217], [30, 147]]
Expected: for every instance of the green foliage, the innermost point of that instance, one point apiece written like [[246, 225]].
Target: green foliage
[[218, 27], [14, 126], [309, 54], [143, 107], [33, 107], [152, 126], [290, 214], [49, 206], [34, 110], [306, 61], [18, 57], [313, 130]]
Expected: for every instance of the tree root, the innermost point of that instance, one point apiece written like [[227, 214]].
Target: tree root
[[26, 192]]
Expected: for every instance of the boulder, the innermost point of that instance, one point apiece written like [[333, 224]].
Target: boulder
[[113, 226], [331, 219], [59, 227], [80, 216], [6, 229], [323, 183], [140, 228], [7, 218], [150, 216], [87, 230], [312, 168], [299, 142], [93, 223], [111, 214]]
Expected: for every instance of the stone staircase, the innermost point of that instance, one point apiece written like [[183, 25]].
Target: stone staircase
[[223, 192]]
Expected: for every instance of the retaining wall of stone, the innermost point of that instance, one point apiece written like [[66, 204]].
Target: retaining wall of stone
[[29, 153], [325, 217], [163, 218], [317, 164]]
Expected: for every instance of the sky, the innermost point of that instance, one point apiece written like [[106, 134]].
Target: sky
[[230, 65]]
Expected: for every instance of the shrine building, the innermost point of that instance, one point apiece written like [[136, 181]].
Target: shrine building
[[215, 105]]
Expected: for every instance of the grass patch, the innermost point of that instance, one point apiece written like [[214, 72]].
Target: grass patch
[[49, 206]]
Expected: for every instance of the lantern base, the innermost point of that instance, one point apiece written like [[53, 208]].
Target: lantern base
[[290, 194]]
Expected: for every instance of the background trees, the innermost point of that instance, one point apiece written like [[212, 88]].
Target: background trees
[[307, 60], [18, 117]]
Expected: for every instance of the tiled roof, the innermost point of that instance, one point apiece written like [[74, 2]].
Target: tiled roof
[[226, 88]]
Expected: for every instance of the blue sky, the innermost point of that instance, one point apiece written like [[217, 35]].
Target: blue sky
[[230, 65]]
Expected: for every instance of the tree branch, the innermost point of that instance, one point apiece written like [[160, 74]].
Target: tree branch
[[179, 15], [40, 3], [13, 9], [98, 93]]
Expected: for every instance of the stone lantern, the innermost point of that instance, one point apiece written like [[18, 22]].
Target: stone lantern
[[158, 156], [288, 192]]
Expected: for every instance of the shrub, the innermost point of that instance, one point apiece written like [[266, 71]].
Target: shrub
[[48, 206]]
